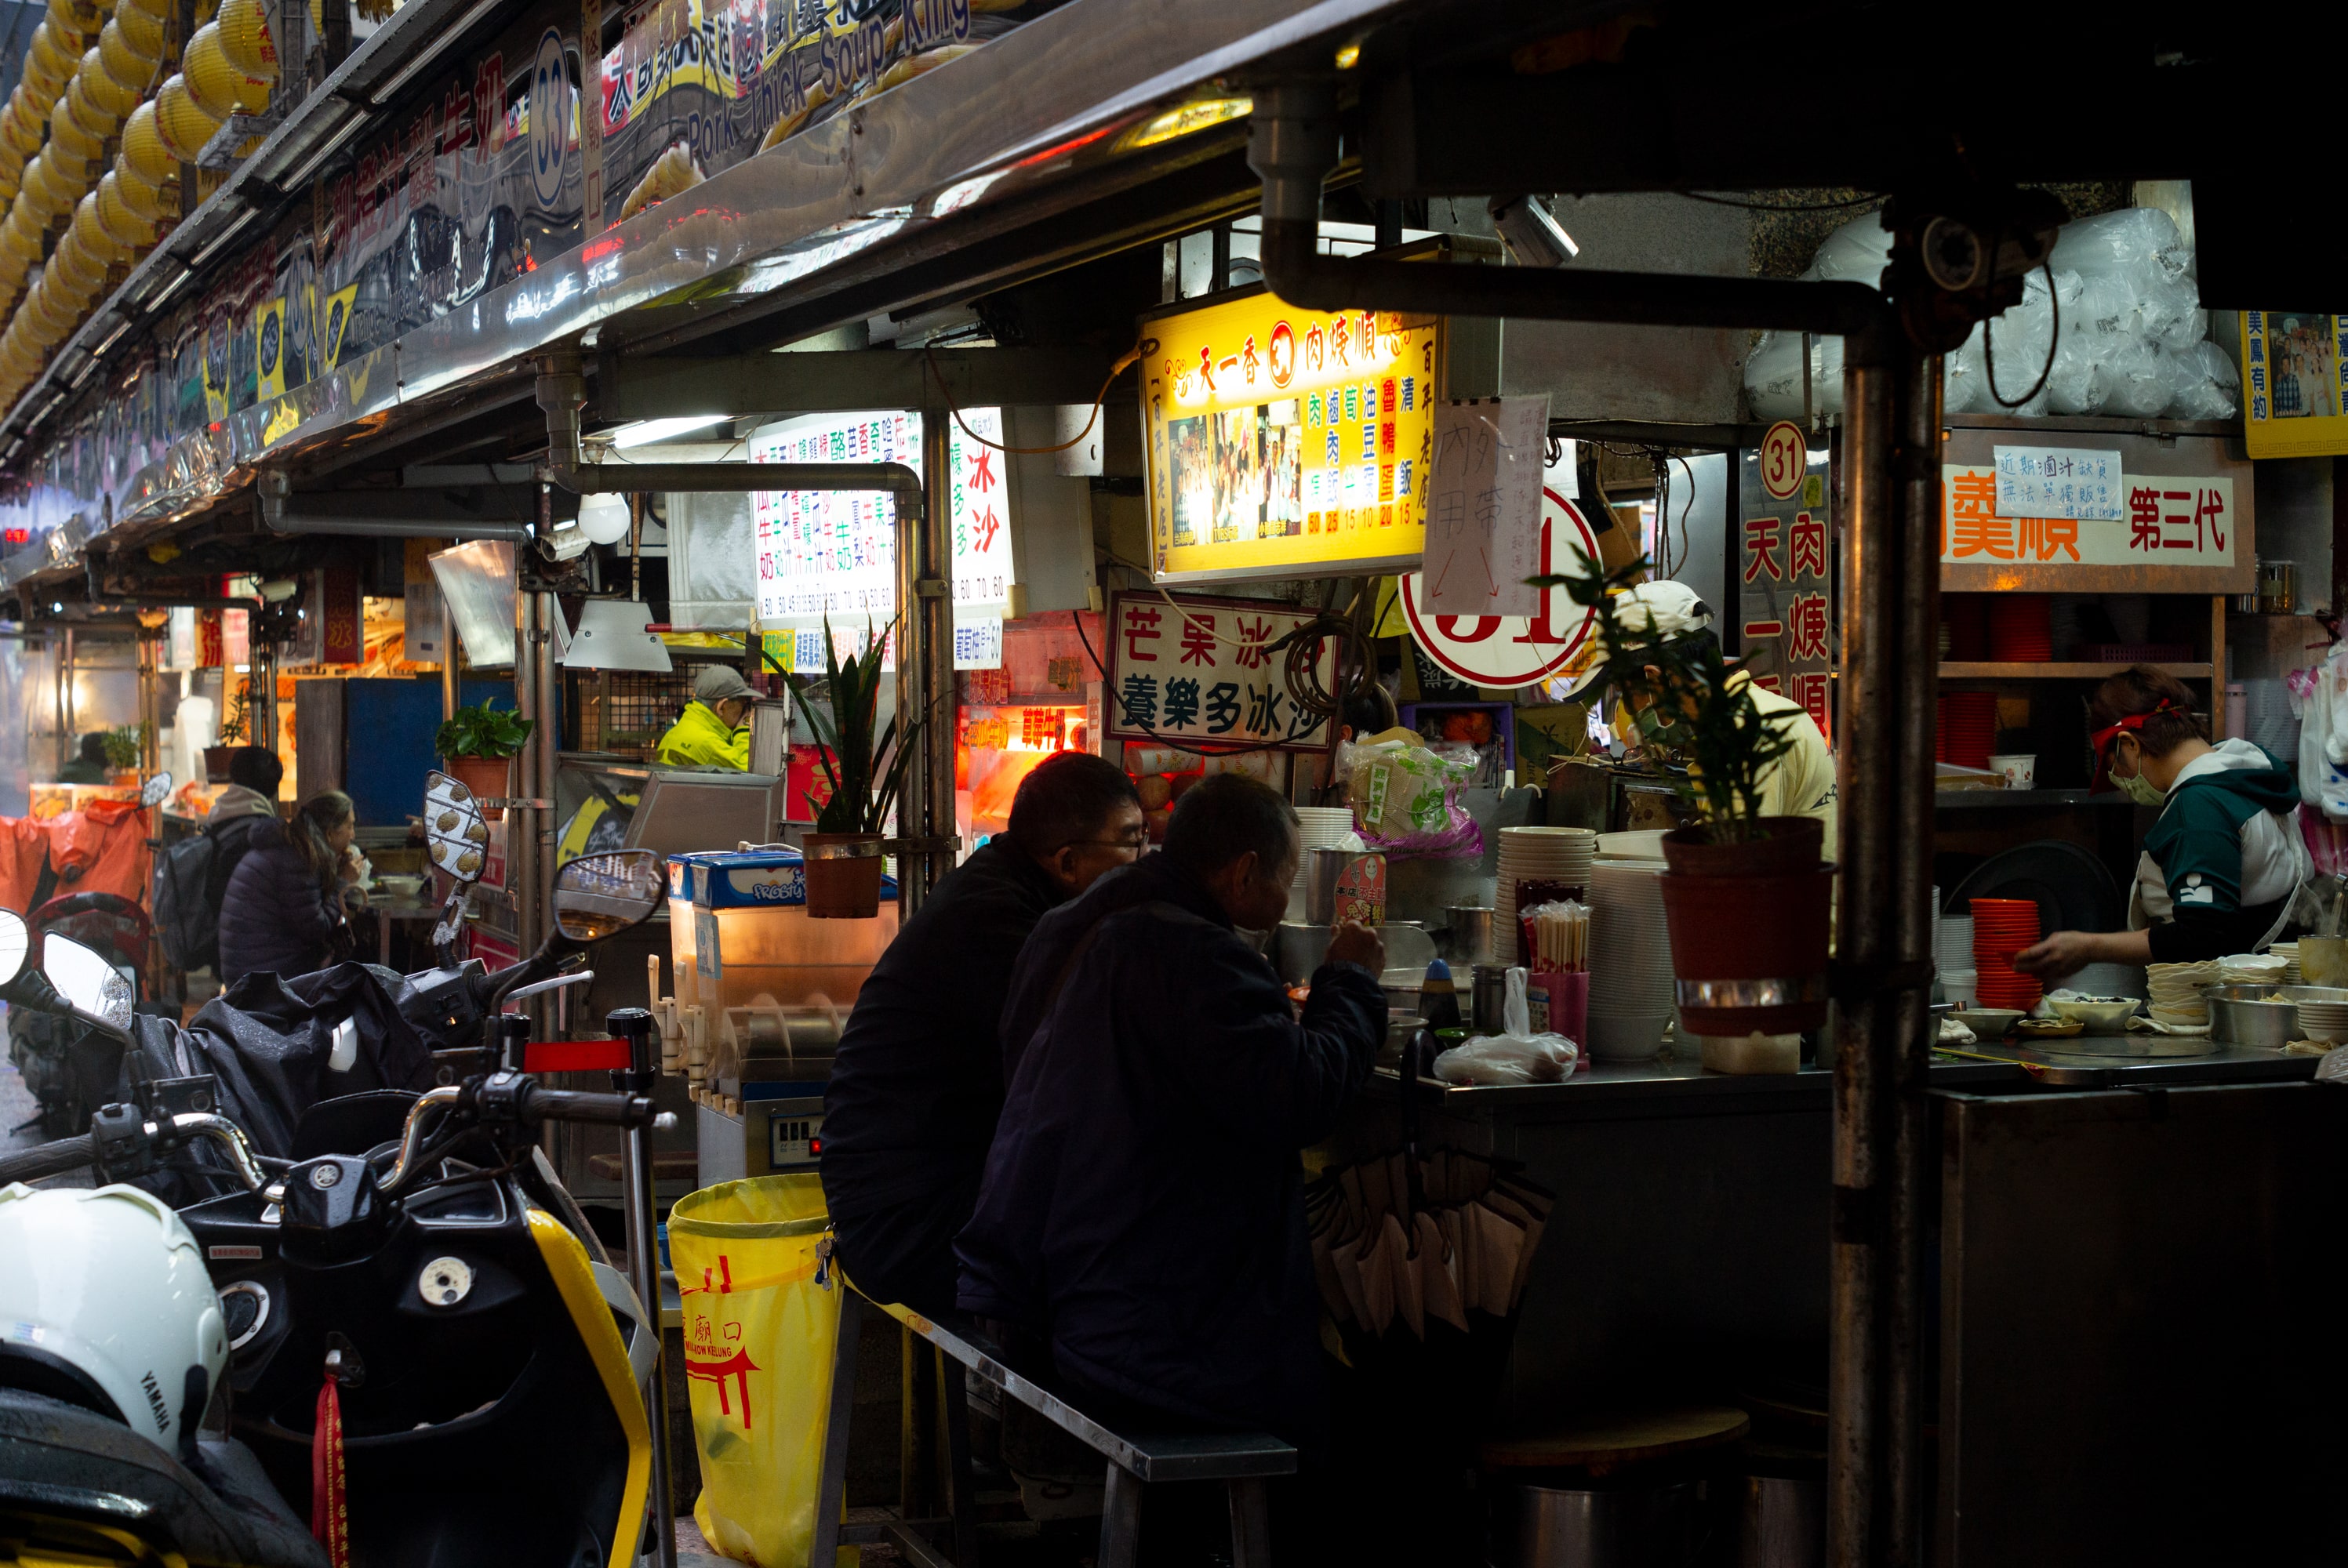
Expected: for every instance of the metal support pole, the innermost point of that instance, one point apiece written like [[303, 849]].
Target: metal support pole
[[925, 806], [450, 656], [66, 741], [634, 1025], [522, 877]]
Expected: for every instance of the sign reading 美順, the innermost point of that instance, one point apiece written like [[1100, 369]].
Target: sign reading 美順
[[1283, 442], [2165, 520], [1203, 672]]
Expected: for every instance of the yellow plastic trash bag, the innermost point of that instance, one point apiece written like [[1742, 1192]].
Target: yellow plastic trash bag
[[759, 1330]]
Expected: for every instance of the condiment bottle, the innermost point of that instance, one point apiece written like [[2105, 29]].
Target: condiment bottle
[[1439, 998]]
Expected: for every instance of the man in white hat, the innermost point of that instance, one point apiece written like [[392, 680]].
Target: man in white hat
[[709, 734]]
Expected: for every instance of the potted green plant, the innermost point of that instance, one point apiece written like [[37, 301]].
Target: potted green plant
[[476, 746], [233, 730], [1747, 897], [864, 769], [122, 747]]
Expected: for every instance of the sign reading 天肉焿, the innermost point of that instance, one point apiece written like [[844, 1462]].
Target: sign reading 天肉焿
[[2294, 384], [1202, 672], [2166, 520], [1786, 624], [1280, 441]]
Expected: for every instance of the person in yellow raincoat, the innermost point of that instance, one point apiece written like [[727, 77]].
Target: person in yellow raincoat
[[710, 734]]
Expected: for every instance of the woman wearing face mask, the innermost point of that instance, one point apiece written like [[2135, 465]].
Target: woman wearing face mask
[[2224, 858]]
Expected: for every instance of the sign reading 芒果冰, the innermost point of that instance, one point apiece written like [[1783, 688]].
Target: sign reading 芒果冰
[[1203, 672], [2165, 520], [1280, 439]]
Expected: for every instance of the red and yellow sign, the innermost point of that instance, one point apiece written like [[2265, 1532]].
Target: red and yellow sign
[[1281, 439]]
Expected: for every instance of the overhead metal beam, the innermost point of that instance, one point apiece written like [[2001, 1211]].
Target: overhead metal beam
[[631, 387]]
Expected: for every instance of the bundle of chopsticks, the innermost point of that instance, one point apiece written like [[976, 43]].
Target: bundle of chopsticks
[[1557, 937], [1424, 1240]]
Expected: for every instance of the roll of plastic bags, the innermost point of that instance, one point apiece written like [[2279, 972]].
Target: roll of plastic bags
[[2128, 240], [2144, 380], [2215, 388], [2078, 383], [2169, 308], [1857, 253]]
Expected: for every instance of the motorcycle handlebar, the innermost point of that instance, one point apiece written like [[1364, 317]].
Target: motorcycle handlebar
[[581, 1105], [48, 1160]]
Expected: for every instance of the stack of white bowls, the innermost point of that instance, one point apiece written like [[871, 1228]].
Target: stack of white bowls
[[2289, 952], [1953, 955], [1317, 827], [1631, 990], [1536, 855], [2251, 969], [2326, 1023]]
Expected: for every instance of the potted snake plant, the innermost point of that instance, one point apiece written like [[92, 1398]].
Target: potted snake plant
[[865, 770], [1748, 897], [476, 749]]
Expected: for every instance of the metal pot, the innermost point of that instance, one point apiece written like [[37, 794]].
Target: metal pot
[[2252, 1016], [1660, 1526], [1467, 940]]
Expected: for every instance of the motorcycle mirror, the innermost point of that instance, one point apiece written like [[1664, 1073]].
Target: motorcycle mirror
[[598, 896], [155, 790], [16, 941], [452, 822], [87, 982]]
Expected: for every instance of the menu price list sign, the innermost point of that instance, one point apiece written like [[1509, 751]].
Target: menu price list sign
[[832, 554], [1202, 671]]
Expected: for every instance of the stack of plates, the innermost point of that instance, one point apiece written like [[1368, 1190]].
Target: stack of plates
[[1953, 955], [2021, 629], [2176, 999], [2002, 927], [2289, 952], [2252, 970], [1631, 990], [1538, 855], [1317, 827], [1968, 732], [2325, 1022]]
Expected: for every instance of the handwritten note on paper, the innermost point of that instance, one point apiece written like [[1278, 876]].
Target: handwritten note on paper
[[1483, 507], [2072, 482]]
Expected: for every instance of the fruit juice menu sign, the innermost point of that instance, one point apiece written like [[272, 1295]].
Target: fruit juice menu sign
[[1281, 440]]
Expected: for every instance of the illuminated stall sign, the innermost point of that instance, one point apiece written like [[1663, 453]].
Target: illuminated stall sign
[[833, 553], [1203, 672], [1280, 440], [1787, 627]]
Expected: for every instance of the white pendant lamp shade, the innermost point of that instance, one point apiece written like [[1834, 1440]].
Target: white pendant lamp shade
[[612, 635], [604, 518]]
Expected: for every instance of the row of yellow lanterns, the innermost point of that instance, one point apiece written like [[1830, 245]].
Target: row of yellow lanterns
[[86, 78]]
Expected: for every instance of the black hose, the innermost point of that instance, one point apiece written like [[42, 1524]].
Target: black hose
[[48, 1160]]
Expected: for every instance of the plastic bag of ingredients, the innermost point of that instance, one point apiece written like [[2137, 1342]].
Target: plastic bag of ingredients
[[1406, 796], [1515, 1055], [2137, 240]]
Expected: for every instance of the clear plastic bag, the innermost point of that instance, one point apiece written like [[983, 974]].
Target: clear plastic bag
[[2132, 240], [1406, 798], [1515, 1055]]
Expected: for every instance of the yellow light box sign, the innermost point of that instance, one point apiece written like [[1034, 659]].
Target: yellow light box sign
[[1280, 440]]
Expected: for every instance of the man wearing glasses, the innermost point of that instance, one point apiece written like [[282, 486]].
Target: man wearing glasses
[[918, 1081]]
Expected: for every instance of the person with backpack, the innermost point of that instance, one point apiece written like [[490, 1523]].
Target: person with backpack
[[192, 876], [285, 911]]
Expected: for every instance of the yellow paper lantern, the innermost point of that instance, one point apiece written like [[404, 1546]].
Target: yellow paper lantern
[[72, 21], [18, 127], [181, 123], [46, 69], [140, 30], [91, 234], [97, 94], [143, 148], [220, 89], [125, 224], [37, 200], [246, 40], [138, 194], [65, 169], [20, 235], [70, 135], [11, 180]]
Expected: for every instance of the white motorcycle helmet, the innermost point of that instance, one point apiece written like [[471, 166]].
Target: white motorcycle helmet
[[104, 1303]]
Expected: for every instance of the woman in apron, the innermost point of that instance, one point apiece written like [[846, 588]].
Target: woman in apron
[[2223, 862]]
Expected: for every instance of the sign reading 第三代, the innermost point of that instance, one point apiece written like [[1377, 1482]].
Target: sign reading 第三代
[[2165, 520], [1203, 672], [1280, 440]]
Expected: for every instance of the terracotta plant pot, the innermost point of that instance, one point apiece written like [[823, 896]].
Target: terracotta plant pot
[[1750, 952], [490, 777], [843, 874], [1789, 844], [216, 763]]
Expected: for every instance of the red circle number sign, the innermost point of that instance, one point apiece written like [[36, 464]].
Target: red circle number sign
[[1785, 460], [1508, 651]]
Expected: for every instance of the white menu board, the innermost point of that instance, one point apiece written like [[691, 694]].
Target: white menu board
[[834, 552]]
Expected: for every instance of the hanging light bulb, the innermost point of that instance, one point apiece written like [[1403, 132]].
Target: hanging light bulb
[[604, 518]]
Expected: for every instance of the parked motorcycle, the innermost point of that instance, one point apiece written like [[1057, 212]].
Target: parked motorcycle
[[410, 1325]]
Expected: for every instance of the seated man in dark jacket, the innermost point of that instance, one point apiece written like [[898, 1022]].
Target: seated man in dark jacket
[[917, 1079], [1143, 1213]]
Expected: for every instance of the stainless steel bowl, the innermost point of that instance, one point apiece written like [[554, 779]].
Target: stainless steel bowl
[[2252, 1016]]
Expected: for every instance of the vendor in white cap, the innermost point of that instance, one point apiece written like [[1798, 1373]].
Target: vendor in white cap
[[709, 732], [1801, 783]]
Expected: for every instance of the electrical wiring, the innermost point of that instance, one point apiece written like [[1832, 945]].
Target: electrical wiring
[[2054, 347], [930, 360], [1783, 206]]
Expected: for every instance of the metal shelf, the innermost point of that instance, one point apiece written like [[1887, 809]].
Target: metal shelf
[[1969, 669]]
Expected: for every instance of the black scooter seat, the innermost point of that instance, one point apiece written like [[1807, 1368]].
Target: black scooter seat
[[63, 1468]]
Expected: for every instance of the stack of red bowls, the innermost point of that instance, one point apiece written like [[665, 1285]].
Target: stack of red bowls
[[1966, 616], [1967, 732], [2002, 927], [2021, 627], [1940, 728]]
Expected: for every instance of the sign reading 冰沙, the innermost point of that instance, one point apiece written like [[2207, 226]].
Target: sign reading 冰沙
[[2059, 482], [1202, 672], [833, 553], [1786, 620], [1280, 439], [2166, 520]]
